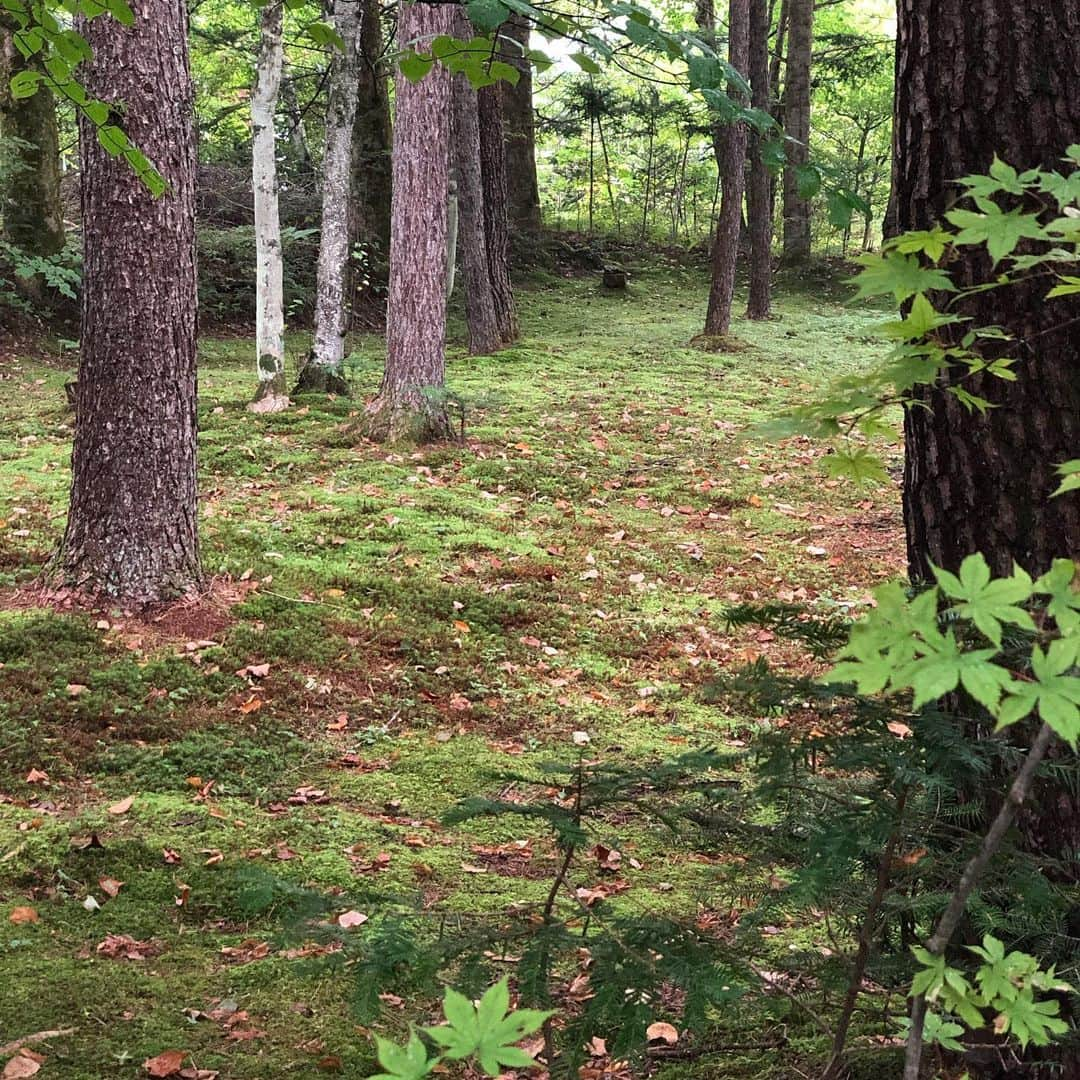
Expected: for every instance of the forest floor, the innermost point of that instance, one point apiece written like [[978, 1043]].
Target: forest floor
[[387, 633]]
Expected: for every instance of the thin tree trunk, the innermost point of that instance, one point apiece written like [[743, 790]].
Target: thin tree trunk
[[496, 222], [297, 126], [323, 370], [371, 164], [411, 403], [519, 126], [648, 179], [479, 300], [30, 207], [607, 177], [131, 529], [797, 126], [592, 172], [725, 251], [270, 396], [759, 209]]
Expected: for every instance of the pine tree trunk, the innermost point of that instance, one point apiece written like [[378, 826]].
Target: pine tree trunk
[[759, 209], [732, 156], [131, 529], [519, 125], [33, 218], [496, 227], [797, 126], [479, 299], [411, 404], [977, 77], [270, 396], [371, 165], [323, 371]]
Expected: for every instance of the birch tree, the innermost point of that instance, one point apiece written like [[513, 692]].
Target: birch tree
[[270, 396], [323, 370]]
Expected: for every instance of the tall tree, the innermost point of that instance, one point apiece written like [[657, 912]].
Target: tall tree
[[519, 125], [323, 370], [975, 78], [465, 154], [30, 208], [410, 405], [800, 28], [369, 210], [731, 157], [759, 207], [271, 395], [496, 213], [131, 529]]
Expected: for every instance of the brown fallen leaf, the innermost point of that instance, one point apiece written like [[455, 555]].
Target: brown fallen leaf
[[347, 920], [167, 1063], [24, 1063], [75, 689], [251, 705], [110, 886], [661, 1033], [125, 947], [122, 807], [22, 915], [37, 776]]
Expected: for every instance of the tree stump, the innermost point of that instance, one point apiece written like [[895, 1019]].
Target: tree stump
[[614, 277]]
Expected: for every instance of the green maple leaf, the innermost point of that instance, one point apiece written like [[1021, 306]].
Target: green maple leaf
[[1001, 231], [489, 1030], [988, 602], [1057, 583], [1070, 471], [1054, 693], [409, 1062], [902, 275]]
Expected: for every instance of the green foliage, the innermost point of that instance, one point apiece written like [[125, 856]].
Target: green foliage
[[486, 1031], [1004, 984], [1012, 215]]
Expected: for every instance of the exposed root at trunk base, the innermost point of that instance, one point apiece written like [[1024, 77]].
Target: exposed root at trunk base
[[415, 422], [720, 343], [270, 397], [319, 379]]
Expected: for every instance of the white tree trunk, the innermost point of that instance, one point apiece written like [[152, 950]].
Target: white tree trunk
[[324, 367], [269, 300]]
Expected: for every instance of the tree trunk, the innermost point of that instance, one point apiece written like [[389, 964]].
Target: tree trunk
[[975, 77], [30, 200], [479, 299], [411, 403], [519, 124], [323, 371], [496, 227], [298, 136], [732, 156], [269, 292], [759, 210], [131, 529], [797, 126], [371, 165]]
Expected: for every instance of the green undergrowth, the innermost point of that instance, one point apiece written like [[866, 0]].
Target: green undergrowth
[[429, 621]]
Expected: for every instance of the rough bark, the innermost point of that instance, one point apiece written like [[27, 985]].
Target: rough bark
[[479, 300], [732, 160], [797, 126], [496, 221], [519, 125], [977, 77], [759, 209], [323, 370], [30, 207], [270, 396], [411, 405], [369, 209], [131, 529]]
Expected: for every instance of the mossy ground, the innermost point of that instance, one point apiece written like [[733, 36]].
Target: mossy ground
[[465, 608]]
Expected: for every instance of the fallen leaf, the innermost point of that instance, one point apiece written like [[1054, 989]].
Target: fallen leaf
[[75, 689], [24, 1063], [166, 1063], [110, 886], [122, 807], [37, 776], [900, 730], [251, 705], [347, 920], [21, 915], [661, 1032]]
